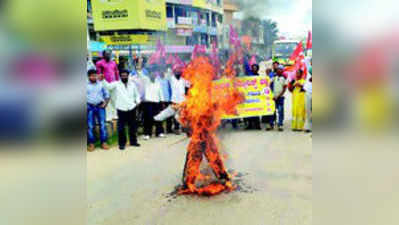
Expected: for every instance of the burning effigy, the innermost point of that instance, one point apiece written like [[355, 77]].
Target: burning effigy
[[201, 113]]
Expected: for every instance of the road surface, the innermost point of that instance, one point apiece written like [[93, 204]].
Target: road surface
[[134, 187]]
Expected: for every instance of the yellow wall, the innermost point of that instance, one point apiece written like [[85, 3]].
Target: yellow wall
[[129, 14], [204, 4]]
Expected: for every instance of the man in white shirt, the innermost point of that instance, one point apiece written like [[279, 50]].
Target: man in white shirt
[[127, 98], [279, 89], [153, 97], [178, 86]]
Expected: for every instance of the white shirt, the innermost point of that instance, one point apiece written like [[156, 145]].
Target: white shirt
[[126, 97], [178, 88], [279, 83], [308, 85], [153, 91]]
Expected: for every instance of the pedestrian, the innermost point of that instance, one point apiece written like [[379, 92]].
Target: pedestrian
[[298, 101], [140, 67], [308, 102], [254, 122], [127, 99], [167, 95], [152, 106], [240, 71], [274, 70], [109, 69], [279, 89], [139, 77], [269, 73], [122, 64], [97, 99], [269, 119], [179, 87]]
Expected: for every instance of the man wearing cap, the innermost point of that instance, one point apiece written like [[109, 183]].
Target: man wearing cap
[[178, 86], [279, 89]]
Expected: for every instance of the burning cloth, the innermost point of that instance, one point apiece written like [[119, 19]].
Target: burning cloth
[[201, 113]]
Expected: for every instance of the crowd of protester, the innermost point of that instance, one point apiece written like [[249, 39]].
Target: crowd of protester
[[134, 97]]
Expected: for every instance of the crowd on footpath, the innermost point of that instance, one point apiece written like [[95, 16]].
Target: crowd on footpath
[[134, 97]]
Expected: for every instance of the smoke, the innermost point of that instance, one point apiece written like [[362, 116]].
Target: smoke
[[255, 8], [292, 17]]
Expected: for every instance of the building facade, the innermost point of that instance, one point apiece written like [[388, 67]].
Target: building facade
[[188, 23]]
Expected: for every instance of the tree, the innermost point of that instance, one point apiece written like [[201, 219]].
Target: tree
[[270, 33], [250, 26]]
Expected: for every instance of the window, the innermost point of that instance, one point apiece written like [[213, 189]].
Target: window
[[89, 9], [214, 39], [194, 15], [180, 12], [190, 41], [220, 18], [204, 39], [213, 20], [169, 11]]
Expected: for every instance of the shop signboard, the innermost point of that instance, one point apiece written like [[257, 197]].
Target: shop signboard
[[127, 39], [128, 14], [184, 32], [185, 20]]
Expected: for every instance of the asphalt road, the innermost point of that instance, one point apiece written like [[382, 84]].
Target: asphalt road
[[134, 187]]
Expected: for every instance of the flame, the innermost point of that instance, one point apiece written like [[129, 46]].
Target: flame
[[202, 113]]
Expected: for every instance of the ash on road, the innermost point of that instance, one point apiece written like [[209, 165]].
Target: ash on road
[[134, 187]]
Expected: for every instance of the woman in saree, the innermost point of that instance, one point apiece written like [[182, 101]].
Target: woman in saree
[[298, 102]]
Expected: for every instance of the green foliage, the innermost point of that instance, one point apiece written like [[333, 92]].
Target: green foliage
[[270, 31], [251, 26]]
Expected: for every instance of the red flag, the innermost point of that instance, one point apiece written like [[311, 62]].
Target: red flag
[[297, 52], [300, 64], [309, 42]]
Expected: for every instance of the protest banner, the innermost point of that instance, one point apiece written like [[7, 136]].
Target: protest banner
[[258, 96]]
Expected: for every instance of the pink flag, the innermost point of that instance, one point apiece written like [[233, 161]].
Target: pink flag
[[170, 60], [234, 39], [194, 53], [154, 58], [178, 64], [198, 49], [252, 61], [214, 56], [160, 53]]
